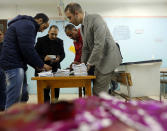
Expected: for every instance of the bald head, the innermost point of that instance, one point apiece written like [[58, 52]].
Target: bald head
[[53, 32], [73, 7]]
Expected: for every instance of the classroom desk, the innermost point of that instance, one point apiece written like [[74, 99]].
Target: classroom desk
[[62, 82], [163, 80], [145, 77], [163, 70]]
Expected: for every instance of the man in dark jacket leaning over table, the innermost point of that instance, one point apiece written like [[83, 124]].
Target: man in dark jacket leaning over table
[[50, 49], [2, 78], [18, 51]]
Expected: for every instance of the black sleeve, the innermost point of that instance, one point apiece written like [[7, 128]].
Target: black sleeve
[[62, 53], [39, 48]]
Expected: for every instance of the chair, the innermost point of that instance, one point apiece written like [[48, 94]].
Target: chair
[[163, 81], [124, 78]]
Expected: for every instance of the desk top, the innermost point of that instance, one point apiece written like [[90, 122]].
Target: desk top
[[142, 62], [64, 78], [163, 70]]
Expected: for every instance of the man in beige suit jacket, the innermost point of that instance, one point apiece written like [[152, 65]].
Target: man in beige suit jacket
[[99, 48]]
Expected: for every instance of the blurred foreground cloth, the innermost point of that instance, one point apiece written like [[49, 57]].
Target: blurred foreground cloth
[[103, 113]]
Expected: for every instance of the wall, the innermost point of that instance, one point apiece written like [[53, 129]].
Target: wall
[[105, 9], [10, 11], [133, 9]]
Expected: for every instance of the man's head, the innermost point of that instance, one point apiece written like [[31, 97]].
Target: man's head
[[1, 36], [42, 20], [74, 13], [53, 32], [71, 31]]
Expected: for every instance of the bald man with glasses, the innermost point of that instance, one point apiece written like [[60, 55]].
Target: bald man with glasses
[[51, 50]]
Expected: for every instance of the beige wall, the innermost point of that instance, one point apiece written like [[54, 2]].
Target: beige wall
[[10, 11], [131, 10]]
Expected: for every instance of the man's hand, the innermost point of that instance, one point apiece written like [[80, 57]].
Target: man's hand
[[47, 58], [56, 60], [88, 66], [75, 62], [47, 67]]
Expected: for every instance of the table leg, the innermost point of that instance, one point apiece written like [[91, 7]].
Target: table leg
[[52, 94], [80, 91], [88, 90], [40, 92]]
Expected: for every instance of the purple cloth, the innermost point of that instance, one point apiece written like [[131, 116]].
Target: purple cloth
[[104, 113]]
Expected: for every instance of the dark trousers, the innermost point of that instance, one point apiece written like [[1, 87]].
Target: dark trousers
[[113, 86], [47, 92], [2, 90]]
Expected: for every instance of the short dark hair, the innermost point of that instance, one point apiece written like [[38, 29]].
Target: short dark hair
[[72, 7], [69, 27], [53, 26], [43, 16]]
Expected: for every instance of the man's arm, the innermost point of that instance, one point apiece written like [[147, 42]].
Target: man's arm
[[39, 48], [85, 53], [26, 38], [99, 34], [62, 53]]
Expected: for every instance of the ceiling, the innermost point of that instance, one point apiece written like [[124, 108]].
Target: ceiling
[[49, 2]]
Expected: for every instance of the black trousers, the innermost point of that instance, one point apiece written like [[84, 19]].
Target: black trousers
[[47, 94]]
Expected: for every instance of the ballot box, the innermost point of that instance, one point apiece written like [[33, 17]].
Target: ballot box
[[145, 76]]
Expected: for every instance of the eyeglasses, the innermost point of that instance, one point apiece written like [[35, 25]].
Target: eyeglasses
[[70, 34], [45, 25]]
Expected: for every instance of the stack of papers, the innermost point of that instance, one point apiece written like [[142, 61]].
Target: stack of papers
[[80, 69], [45, 74], [61, 72]]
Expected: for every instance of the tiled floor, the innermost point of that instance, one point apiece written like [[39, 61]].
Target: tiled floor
[[33, 98]]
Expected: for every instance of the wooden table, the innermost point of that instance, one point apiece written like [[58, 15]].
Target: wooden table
[[62, 82]]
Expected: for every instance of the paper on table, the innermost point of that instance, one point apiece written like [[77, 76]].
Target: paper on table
[[45, 73], [52, 56], [80, 69], [61, 72]]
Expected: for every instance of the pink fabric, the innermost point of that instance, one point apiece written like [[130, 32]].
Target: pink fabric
[[104, 113]]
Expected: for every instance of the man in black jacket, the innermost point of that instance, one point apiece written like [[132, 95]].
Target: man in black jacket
[[2, 79], [50, 49], [18, 51]]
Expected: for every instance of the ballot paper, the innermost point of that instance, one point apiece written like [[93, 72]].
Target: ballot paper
[[45, 74], [52, 56], [61, 72], [80, 69]]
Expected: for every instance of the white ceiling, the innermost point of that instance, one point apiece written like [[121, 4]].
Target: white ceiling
[[49, 2]]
